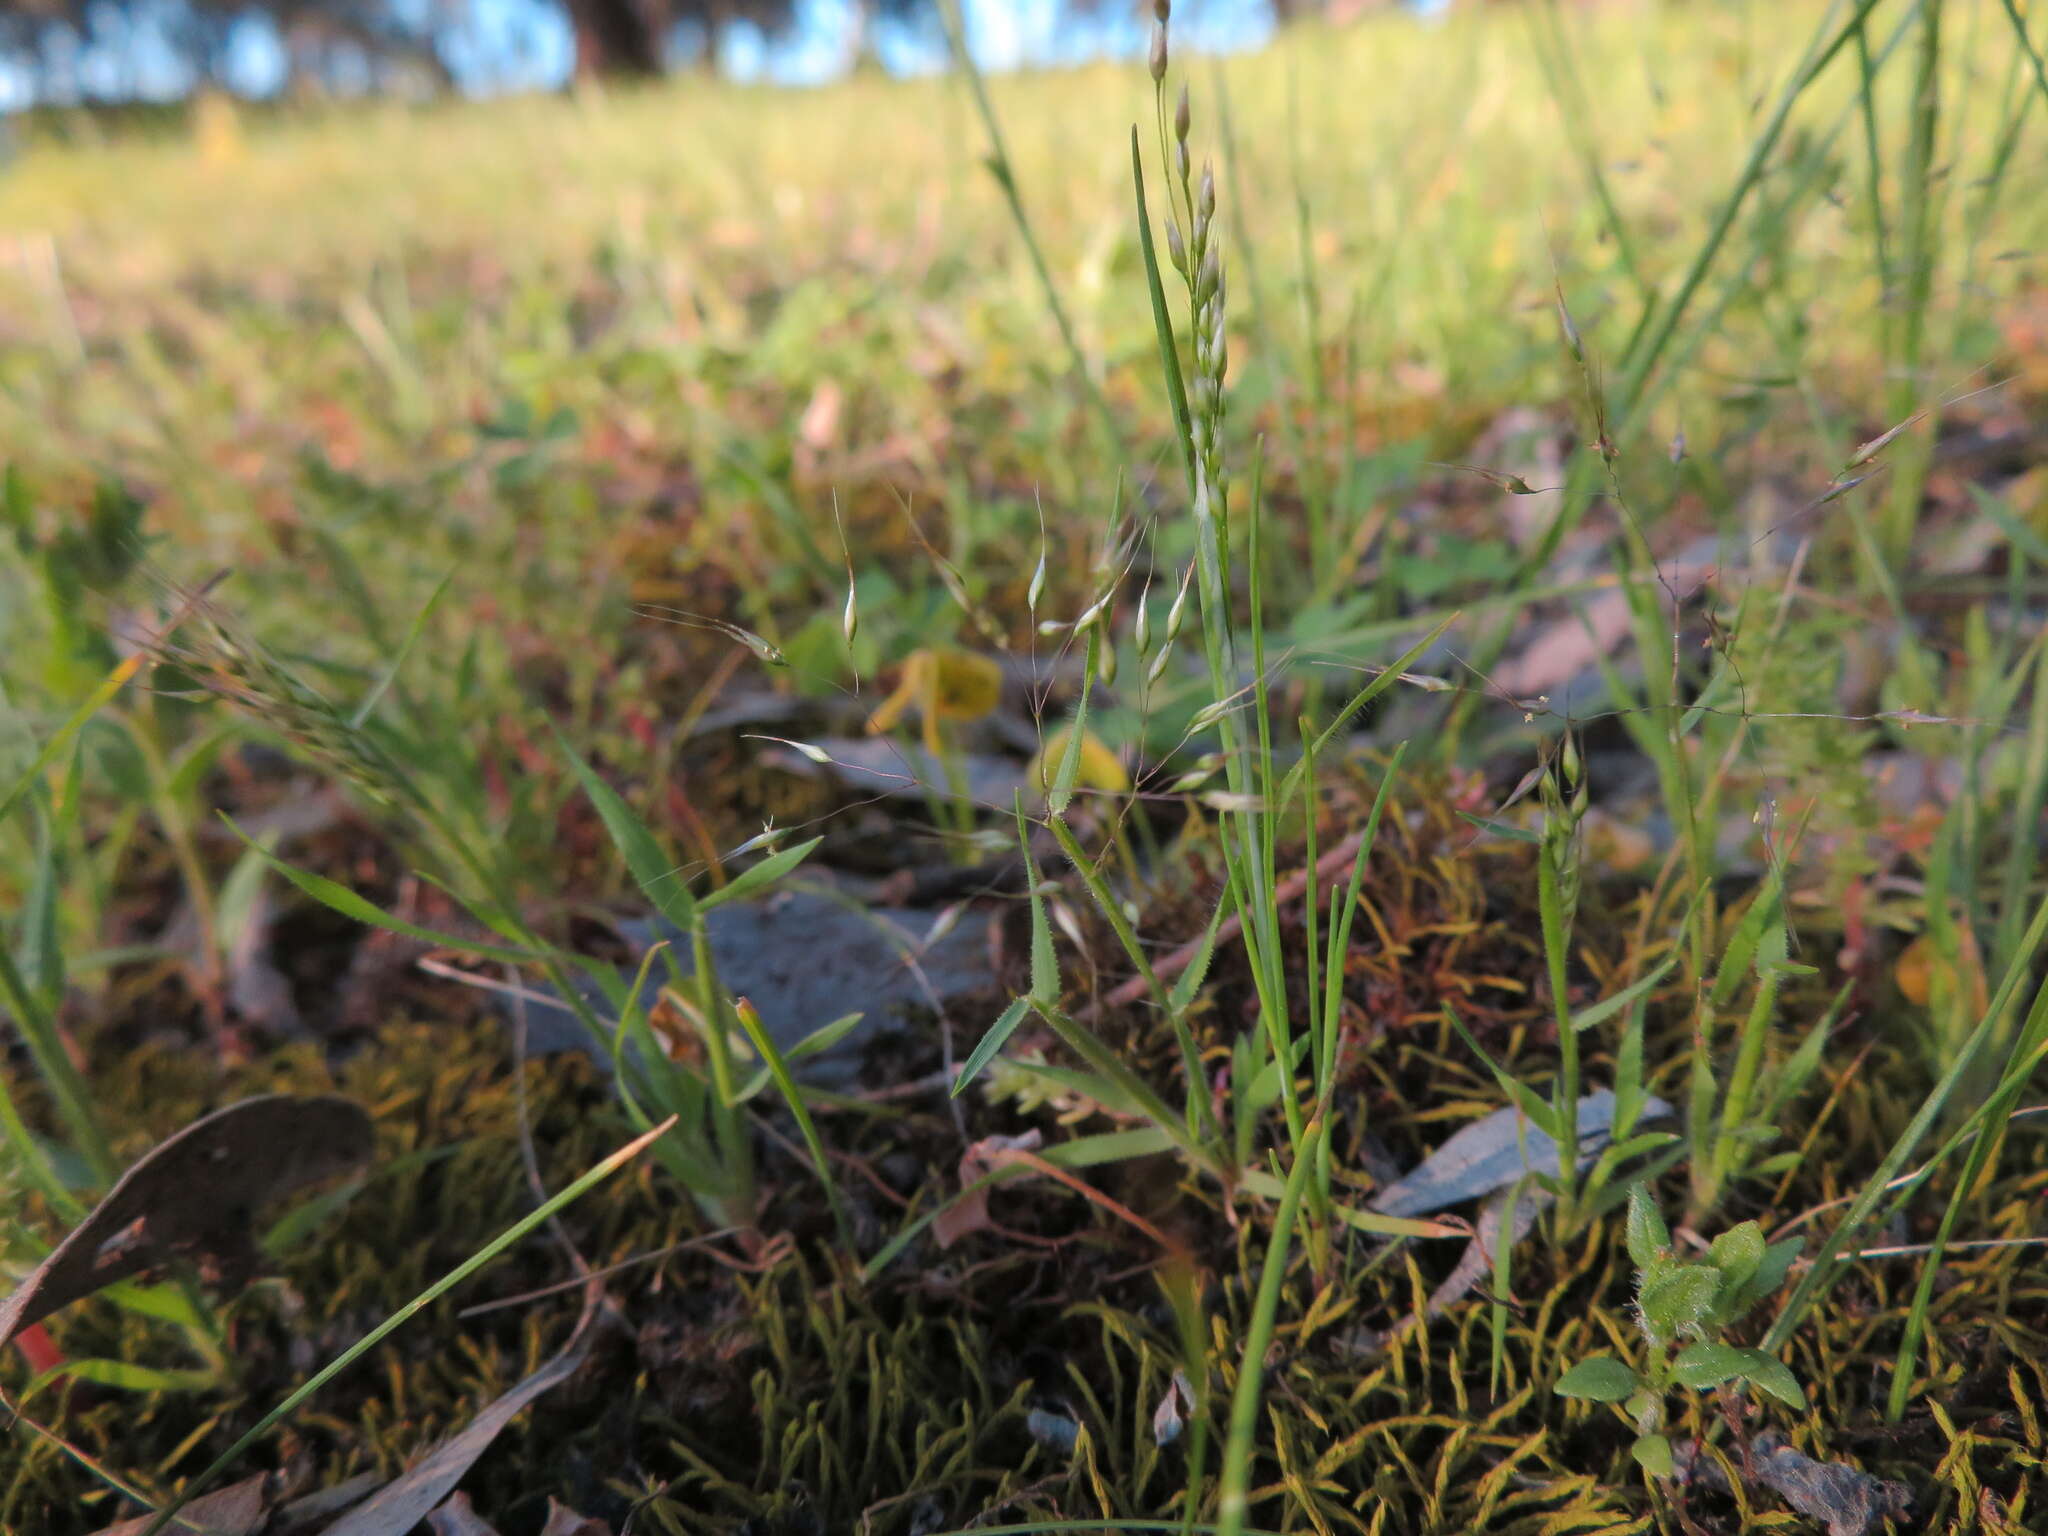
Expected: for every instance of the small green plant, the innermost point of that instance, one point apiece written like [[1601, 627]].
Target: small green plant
[[1683, 1306]]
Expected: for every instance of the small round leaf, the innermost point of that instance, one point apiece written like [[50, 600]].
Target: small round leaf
[[1653, 1455], [1773, 1376], [1603, 1378]]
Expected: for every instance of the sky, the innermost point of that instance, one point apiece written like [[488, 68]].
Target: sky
[[515, 45]]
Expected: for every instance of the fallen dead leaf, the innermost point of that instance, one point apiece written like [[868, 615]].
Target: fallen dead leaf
[[564, 1521], [253, 1507], [458, 1518], [1846, 1501], [407, 1500], [195, 1197], [241, 1509], [969, 1213]]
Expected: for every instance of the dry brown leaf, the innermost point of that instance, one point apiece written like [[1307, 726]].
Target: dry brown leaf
[[458, 1518], [969, 1213], [407, 1500], [241, 1509], [564, 1521], [194, 1197], [1846, 1501]]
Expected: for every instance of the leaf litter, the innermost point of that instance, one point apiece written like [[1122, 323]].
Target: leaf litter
[[195, 1197]]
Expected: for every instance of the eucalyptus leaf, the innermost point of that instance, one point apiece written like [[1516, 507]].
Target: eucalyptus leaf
[[1493, 1152]]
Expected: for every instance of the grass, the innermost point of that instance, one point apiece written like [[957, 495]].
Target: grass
[[471, 398]]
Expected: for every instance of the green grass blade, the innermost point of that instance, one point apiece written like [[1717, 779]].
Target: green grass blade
[[405, 1314]]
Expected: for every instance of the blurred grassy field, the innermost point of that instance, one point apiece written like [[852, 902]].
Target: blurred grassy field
[[692, 266]]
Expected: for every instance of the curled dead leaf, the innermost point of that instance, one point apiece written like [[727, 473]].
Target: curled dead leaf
[[969, 1213], [195, 1197]]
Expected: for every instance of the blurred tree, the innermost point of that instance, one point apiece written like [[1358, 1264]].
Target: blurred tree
[[122, 49], [371, 43]]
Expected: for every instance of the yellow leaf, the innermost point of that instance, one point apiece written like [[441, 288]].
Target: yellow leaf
[[965, 686], [940, 685], [1099, 767]]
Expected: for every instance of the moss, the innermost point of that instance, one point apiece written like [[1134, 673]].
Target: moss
[[782, 1393]]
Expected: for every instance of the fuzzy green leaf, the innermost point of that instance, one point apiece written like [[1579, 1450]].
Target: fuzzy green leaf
[[1191, 979], [1768, 1374], [1707, 1364], [1777, 1263], [1603, 1378], [1653, 1455], [1647, 1234], [1678, 1301], [1737, 1254]]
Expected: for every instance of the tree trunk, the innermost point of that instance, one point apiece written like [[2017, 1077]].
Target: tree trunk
[[717, 22], [860, 56], [615, 38]]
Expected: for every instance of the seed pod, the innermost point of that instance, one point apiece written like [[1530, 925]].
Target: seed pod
[[1158, 668], [1156, 61], [1180, 159], [849, 622], [1105, 659], [1141, 627], [1177, 614], [1212, 271], [1183, 117], [1176, 251], [1206, 194], [1037, 587]]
